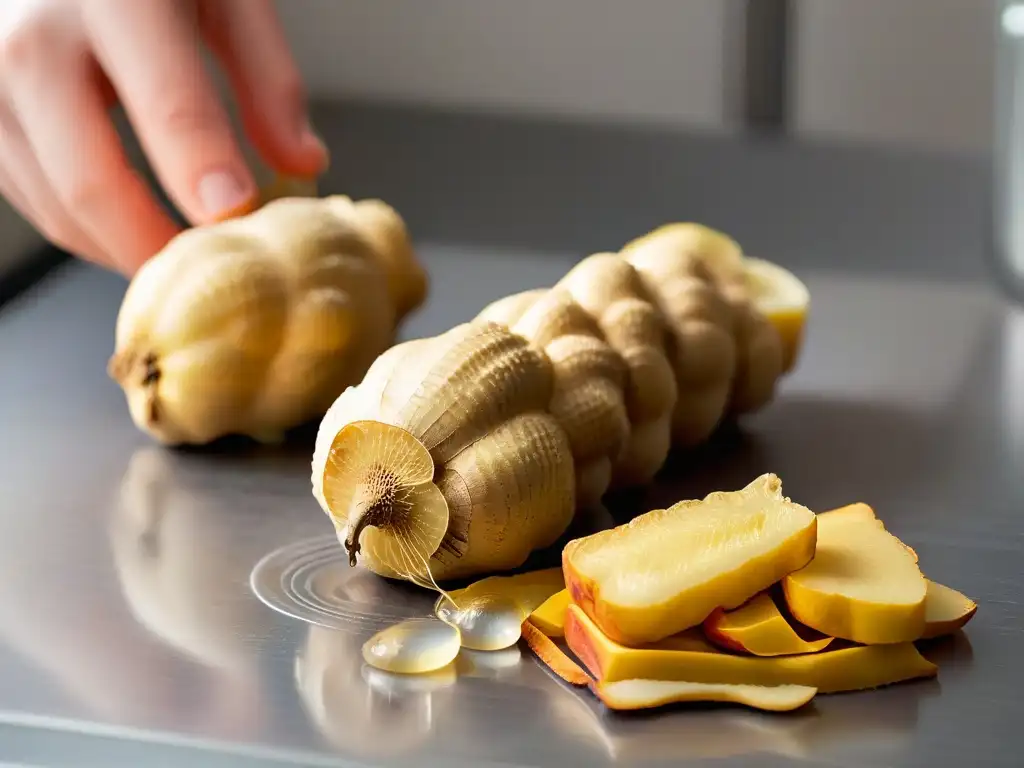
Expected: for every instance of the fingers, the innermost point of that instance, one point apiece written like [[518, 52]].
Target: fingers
[[150, 51], [248, 40], [26, 187], [91, 199]]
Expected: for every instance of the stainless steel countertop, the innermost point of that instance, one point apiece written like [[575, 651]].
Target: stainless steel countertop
[[129, 634]]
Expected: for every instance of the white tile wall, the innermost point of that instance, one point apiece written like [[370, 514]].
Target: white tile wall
[[903, 72], [637, 60]]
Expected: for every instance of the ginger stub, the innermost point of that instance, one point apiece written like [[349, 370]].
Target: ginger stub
[[254, 324], [549, 398], [668, 570]]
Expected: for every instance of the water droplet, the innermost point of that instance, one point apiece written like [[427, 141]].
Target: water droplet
[[486, 622], [413, 647]]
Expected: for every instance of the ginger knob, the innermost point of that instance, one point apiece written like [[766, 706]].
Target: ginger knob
[[256, 324], [460, 454]]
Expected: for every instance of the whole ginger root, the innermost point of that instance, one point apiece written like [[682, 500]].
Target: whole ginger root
[[255, 324], [460, 454]]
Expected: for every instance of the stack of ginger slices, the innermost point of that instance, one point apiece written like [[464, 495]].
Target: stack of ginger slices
[[743, 597]]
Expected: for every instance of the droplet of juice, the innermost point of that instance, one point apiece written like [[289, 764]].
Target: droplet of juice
[[413, 647], [486, 622]]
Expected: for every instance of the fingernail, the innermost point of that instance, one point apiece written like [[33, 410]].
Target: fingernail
[[222, 192]]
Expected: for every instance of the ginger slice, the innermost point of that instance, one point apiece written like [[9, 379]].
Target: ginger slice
[[830, 671], [783, 299], [860, 511], [857, 511], [528, 590], [667, 570], [553, 657], [549, 617], [648, 694], [862, 585], [489, 612], [945, 610], [758, 627]]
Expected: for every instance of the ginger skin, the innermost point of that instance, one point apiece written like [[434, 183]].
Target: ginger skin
[[255, 324]]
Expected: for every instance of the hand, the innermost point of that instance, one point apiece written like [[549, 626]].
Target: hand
[[64, 63]]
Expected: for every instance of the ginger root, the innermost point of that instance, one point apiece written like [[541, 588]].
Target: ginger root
[[255, 324], [460, 454]]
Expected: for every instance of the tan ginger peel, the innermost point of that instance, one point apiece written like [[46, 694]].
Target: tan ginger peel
[[460, 454], [255, 324]]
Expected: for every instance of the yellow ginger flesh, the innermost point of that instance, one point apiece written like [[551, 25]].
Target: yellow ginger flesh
[[547, 399], [256, 324]]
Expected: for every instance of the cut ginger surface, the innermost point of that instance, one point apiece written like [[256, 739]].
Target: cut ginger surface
[[863, 584], [549, 617], [667, 570], [758, 627], [945, 610], [648, 694], [830, 671]]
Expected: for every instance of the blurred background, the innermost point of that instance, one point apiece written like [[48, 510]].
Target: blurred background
[[898, 76]]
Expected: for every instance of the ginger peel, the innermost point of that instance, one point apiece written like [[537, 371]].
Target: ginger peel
[[255, 324], [550, 397]]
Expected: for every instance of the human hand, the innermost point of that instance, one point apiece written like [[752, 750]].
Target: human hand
[[64, 63]]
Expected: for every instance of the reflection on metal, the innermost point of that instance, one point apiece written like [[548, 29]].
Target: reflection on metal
[[312, 581]]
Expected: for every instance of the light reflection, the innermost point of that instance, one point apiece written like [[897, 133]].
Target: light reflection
[[359, 709], [183, 545], [1012, 19]]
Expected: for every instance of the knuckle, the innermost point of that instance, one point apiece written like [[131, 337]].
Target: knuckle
[[185, 116], [83, 194], [33, 40]]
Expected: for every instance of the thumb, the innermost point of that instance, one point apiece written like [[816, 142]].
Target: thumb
[[247, 38]]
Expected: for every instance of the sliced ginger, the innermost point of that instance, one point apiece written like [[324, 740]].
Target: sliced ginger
[[758, 627], [667, 570], [550, 397], [830, 671], [945, 610], [549, 617], [528, 590], [859, 511], [648, 694], [489, 613], [863, 584], [553, 657]]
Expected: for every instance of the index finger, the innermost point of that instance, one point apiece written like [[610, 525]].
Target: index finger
[[150, 50]]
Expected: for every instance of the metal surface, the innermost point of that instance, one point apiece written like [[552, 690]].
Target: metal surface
[[129, 634]]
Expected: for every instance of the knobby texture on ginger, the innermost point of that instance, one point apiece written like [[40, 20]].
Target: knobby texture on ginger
[[255, 324], [547, 399]]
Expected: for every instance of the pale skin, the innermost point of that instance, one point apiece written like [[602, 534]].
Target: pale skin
[[65, 63]]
